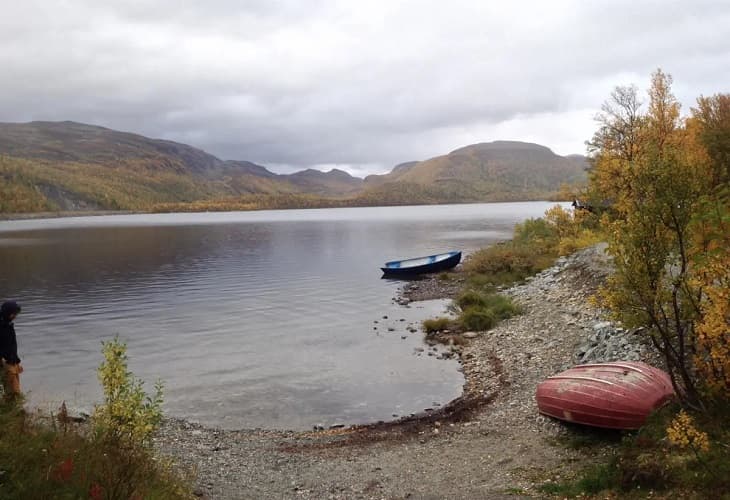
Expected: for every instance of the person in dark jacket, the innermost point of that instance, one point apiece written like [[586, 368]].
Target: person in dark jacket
[[11, 368]]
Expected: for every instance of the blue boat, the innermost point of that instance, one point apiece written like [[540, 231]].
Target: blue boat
[[422, 265]]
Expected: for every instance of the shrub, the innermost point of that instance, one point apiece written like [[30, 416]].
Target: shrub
[[471, 298], [501, 306], [507, 262], [478, 319], [537, 233], [128, 415], [436, 325], [40, 459]]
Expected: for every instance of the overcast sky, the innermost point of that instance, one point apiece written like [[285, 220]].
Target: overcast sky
[[362, 85]]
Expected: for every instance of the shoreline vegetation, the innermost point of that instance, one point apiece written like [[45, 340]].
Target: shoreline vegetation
[[108, 456], [268, 203]]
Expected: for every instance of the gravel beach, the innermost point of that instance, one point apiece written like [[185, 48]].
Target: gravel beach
[[489, 443]]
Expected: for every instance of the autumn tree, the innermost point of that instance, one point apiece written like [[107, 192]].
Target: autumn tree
[[710, 128], [656, 171]]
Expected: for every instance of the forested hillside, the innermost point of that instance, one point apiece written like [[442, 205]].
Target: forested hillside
[[495, 171], [48, 166]]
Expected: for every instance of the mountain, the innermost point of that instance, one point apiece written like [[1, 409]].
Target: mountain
[[492, 171], [74, 166], [326, 183], [81, 143]]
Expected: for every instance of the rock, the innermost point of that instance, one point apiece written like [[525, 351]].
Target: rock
[[601, 325]]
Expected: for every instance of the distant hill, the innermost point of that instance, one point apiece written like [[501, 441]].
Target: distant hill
[[74, 166], [81, 143], [493, 171], [326, 183]]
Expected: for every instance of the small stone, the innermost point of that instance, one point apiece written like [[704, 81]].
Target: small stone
[[601, 325]]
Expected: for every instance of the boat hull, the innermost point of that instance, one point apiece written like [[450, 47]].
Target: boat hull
[[617, 395], [433, 267]]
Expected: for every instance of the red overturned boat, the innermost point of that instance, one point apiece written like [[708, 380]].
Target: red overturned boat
[[617, 395]]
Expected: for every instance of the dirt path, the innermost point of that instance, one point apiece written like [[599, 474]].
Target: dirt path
[[491, 443]]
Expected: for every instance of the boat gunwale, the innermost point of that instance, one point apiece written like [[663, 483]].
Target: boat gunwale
[[445, 255]]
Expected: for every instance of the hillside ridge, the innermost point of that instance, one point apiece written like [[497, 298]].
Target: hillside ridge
[[66, 165]]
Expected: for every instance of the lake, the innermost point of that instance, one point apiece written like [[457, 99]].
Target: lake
[[270, 319]]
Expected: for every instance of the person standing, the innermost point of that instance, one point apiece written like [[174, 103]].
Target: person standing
[[11, 368]]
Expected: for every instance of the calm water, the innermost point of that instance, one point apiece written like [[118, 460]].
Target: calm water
[[252, 319]]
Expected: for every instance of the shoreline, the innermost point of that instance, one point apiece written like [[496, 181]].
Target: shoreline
[[96, 213], [488, 443], [65, 214]]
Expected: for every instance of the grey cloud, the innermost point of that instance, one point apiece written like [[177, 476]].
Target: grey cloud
[[367, 85]]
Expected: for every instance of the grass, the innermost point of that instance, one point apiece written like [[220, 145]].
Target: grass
[[478, 310], [535, 245], [646, 461], [436, 325], [110, 457], [41, 458]]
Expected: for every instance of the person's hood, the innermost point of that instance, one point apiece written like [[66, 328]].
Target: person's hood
[[9, 308]]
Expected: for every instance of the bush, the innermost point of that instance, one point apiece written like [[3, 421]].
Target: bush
[[506, 263], [478, 319], [41, 458], [471, 298], [654, 459], [502, 306], [537, 233], [128, 415], [436, 325]]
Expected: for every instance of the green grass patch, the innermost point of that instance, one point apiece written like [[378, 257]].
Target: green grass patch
[[646, 460], [482, 310], [436, 325], [534, 246], [477, 319], [594, 480]]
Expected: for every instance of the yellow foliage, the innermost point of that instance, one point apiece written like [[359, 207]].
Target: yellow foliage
[[683, 433], [713, 329], [667, 225], [573, 229], [128, 415]]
